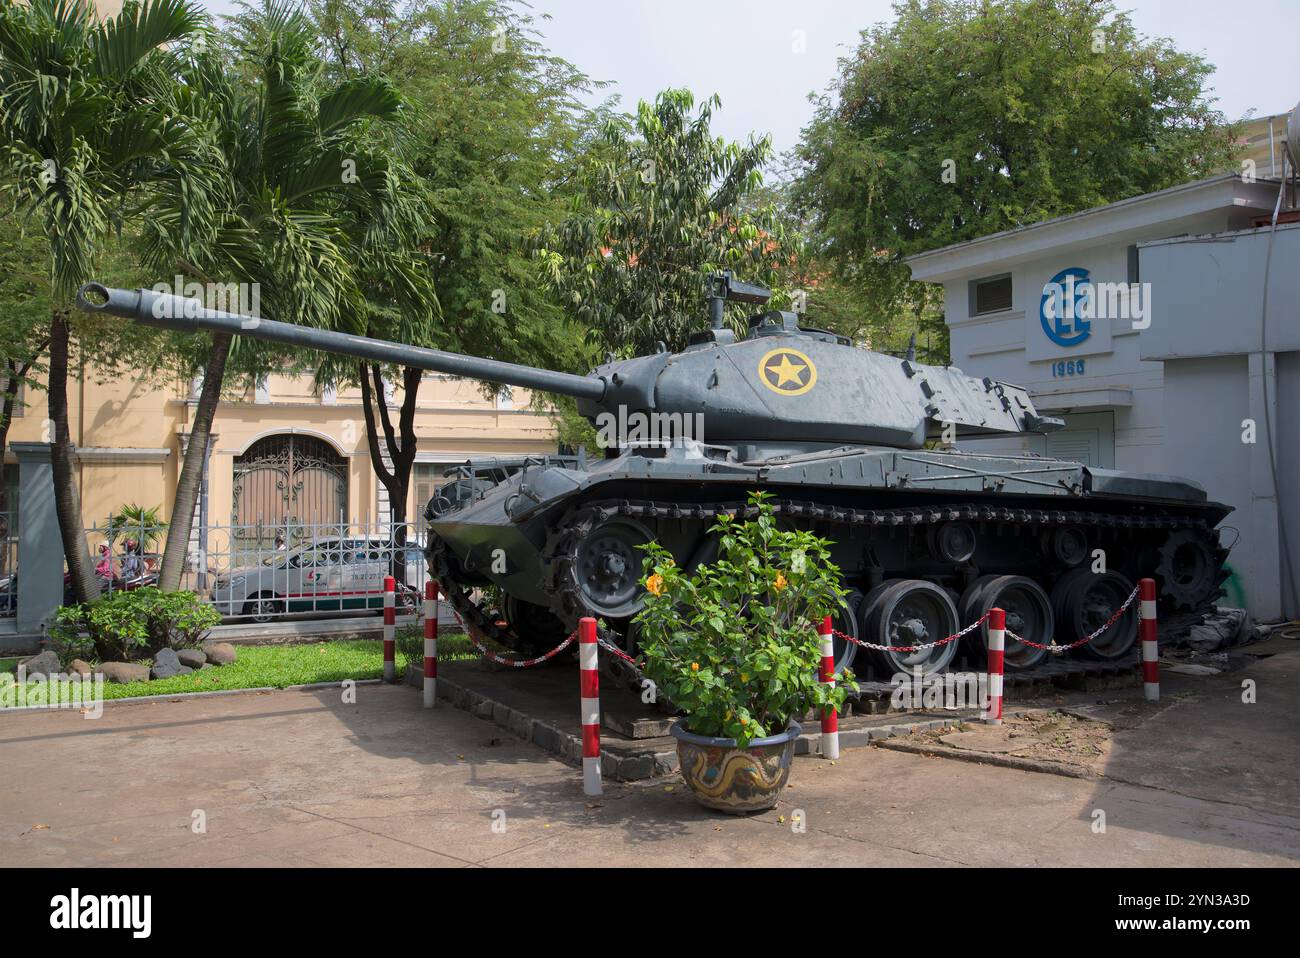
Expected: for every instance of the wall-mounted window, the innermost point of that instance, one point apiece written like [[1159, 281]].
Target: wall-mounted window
[[990, 295]]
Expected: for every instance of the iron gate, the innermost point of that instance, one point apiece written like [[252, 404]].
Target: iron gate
[[283, 484]]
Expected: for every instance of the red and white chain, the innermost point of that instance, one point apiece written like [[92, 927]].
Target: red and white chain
[[611, 647], [912, 648], [520, 663], [1058, 649], [501, 659]]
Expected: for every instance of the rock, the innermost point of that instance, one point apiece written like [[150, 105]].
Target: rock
[[39, 667], [219, 653], [194, 658], [81, 667], [166, 664], [124, 672]]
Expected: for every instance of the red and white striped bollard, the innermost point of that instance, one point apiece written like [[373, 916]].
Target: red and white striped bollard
[[830, 737], [430, 644], [1150, 644], [997, 641], [390, 629], [589, 686]]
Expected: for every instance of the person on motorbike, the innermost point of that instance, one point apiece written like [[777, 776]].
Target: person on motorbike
[[132, 561], [104, 568]]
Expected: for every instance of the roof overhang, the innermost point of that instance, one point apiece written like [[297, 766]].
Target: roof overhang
[[1138, 218]]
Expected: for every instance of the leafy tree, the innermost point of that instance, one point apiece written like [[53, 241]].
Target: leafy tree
[[24, 320], [966, 117], [874, 308], [283, 138], [663, 206], [83, 128], [491, 131]]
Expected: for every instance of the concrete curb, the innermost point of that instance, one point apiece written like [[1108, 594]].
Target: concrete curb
[[178, 696], [992, 758]]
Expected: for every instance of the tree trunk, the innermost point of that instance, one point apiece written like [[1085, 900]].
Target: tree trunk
[[67, 501], [12, 381], [187, 487], [400, 451]]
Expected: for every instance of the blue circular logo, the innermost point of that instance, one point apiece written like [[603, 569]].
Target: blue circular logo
[[1066, 306]]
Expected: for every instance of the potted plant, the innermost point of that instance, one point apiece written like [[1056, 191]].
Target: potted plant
[[734, 645]]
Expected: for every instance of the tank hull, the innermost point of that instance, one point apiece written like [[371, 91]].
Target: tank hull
[[563, 540]]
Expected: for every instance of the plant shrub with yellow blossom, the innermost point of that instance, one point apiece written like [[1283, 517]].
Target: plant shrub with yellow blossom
[[734, 644]]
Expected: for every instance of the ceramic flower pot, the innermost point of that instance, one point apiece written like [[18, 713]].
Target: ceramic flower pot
[[732, 779]]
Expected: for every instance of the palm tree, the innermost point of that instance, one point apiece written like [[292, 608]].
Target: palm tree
[[85, 124], [286, 138]]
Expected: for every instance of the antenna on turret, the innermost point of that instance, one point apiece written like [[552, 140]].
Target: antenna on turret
[[911, 348]]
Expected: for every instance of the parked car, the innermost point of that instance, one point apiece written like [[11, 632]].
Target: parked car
[[323, 576]]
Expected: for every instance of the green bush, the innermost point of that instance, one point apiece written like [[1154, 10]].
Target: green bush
[[734, 644], [410, 642], [132, 625]]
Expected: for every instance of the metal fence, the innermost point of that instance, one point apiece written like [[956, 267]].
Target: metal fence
[[264, 571], [8, 564]]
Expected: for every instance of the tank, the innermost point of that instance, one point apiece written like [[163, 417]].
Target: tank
[[862, 447]]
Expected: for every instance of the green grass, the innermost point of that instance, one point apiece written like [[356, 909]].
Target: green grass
[[278, 666]]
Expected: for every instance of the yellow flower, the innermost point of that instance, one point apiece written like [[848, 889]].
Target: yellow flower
[[655, 584], [744, 677], [695, 666], [743, 720], [780, 582]]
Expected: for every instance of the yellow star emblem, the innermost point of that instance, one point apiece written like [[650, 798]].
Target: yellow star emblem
[[787, 372]]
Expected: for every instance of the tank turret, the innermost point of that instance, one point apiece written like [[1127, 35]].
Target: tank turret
[[926, 538]]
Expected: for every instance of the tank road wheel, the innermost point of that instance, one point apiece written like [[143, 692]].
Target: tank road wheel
[[1083, 600], [968, 610], [910, 612], [846, 621], [1029, 614], [1188, 568], [608, 567]]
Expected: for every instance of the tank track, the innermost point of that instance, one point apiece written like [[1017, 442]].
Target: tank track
[[560, 554], [471, 616], [560, 551]]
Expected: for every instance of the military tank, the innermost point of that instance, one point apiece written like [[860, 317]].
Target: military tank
[[861, 447]]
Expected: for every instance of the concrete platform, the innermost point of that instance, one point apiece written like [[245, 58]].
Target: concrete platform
[[540, 705]]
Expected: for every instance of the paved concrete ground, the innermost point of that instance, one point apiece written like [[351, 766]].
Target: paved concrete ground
[[300, 778]]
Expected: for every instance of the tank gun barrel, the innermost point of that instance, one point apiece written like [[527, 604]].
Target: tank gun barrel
[[168, 311]]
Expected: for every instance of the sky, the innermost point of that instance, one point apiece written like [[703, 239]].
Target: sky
[[765, 57]]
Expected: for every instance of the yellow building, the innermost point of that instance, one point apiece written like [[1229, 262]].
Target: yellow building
[[282, 452]]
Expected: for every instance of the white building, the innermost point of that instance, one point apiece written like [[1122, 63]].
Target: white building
[[1140, 324]]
